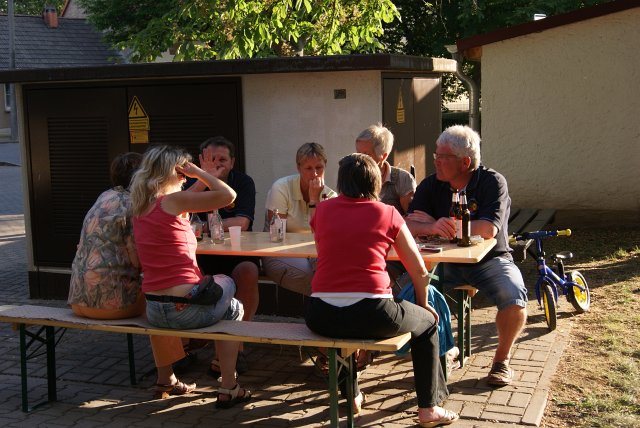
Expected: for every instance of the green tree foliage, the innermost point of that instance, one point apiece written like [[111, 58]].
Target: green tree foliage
[[427, 26], [30, 7], [227, 29]]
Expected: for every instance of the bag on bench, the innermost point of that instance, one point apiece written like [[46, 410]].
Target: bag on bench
[[209, 292]]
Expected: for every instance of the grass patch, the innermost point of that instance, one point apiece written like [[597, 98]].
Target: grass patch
[[597, 383]]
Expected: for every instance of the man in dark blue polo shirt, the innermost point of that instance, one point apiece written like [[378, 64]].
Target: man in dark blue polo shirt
[[218, 154], [457, 163]]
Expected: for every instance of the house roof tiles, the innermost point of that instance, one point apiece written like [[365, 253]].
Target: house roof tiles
[[73, 43]]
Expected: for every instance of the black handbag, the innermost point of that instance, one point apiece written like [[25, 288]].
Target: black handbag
[[209, 292]]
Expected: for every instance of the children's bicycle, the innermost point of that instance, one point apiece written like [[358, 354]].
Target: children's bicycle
[[552, 280]]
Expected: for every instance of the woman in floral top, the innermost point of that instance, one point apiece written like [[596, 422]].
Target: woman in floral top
[[105, 275]]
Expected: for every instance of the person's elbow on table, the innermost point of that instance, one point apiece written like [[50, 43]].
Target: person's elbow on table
[[484, 228]]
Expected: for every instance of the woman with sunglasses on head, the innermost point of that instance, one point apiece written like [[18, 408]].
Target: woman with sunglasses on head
[[167, 250]]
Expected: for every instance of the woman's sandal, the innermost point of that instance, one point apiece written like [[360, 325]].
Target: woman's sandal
[[358, 403], [163, 391], [233, 397], [448, 418]]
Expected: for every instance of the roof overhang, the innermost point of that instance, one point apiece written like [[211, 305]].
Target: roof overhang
[[305, 64]]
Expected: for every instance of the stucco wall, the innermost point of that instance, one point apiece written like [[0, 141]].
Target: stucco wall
[[283, 111], [561, 114]]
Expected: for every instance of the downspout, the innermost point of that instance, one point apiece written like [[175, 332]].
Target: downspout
[[13, 114], [472, 87]]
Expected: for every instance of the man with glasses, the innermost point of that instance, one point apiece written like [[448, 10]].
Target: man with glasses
[[457, 164]]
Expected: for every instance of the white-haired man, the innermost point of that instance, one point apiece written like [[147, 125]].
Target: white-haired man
[[457, 164]]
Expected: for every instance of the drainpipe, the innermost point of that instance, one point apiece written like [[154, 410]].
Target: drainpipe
[[472, 87], [13, 114]]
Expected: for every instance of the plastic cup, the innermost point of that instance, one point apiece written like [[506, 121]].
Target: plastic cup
[[234, 234]]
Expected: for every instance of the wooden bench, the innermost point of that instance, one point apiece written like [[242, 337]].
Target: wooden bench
[[520, 220], [48, 319]]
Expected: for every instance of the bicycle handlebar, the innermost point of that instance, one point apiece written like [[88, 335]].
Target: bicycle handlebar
[[539, 234]]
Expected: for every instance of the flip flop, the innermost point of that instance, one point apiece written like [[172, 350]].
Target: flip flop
[[448, 418]]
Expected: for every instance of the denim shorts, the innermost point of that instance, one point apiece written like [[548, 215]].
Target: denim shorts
[[498, 278], [179, 316]]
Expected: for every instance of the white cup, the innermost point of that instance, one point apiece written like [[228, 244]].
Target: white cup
[[234, 233]]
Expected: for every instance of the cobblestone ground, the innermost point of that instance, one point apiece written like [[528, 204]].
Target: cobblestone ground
[[93, 386]]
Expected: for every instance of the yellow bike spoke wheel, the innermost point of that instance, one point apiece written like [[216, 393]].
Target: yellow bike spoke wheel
[[580, 299]]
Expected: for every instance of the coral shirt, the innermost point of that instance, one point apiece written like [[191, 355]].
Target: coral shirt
[[353, 238], [166, 249]]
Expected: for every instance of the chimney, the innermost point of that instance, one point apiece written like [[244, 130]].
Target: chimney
[[50, 16]]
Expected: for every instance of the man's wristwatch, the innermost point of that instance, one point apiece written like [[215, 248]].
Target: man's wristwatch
[[312, 205]]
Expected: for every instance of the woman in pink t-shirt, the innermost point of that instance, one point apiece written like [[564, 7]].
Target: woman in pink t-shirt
[[166, 248], [350, 292]]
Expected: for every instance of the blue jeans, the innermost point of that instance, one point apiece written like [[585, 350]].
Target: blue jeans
[[499, 278], [183, 317], [383, 318]]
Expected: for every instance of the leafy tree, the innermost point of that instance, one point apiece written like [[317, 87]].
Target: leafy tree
[[227, 29], [30, 7]]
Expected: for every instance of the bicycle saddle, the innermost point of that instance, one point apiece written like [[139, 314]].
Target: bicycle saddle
[[563, 255]]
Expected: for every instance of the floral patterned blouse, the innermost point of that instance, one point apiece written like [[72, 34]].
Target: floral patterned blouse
[[106, 272]]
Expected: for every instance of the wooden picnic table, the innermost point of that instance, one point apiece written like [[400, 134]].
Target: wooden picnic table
[[302, 245]]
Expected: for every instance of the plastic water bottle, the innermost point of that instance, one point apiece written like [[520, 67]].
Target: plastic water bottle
[[196, 226], [275, 228], [216, 228]]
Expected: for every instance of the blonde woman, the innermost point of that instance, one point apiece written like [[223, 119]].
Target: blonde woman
[[174, 287]]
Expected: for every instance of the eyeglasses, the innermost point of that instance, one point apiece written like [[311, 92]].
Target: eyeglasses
[[439, 156]]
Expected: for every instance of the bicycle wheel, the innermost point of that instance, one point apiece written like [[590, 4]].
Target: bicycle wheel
[[581, 300], [549, 305]]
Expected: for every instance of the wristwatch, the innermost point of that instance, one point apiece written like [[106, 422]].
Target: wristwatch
[[312, 205]]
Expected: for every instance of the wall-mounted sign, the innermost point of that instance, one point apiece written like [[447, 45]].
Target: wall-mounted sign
[[400, 107], [138, 123]]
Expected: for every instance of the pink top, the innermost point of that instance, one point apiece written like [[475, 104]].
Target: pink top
[[353, 238], [166, 249]]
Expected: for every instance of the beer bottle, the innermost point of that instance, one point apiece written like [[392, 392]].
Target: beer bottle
[[465, 238], [454, 214]]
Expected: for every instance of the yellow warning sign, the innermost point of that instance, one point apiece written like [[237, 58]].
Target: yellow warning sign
[[138, 123], [400, 108], [138, 136]]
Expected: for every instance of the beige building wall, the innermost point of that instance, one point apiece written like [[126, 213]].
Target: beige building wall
[[283, 111], [561, 114]]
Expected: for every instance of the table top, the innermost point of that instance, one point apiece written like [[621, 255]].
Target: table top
[[302, 245]]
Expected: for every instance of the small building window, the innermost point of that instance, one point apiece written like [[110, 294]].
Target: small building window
[[7, 97]]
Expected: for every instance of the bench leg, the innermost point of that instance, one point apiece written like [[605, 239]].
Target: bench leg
[[23, 368], [49, 341], [337, 364], [333, 387], [51, 364], [464, 326], [132, 360]]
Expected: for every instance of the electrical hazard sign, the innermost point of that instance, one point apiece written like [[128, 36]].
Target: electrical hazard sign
[[138, 123]]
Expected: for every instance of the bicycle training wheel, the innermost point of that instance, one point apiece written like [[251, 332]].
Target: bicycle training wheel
[[549, 306], [581, 300]]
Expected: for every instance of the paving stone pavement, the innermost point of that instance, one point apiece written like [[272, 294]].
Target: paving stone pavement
[[93, 377]]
